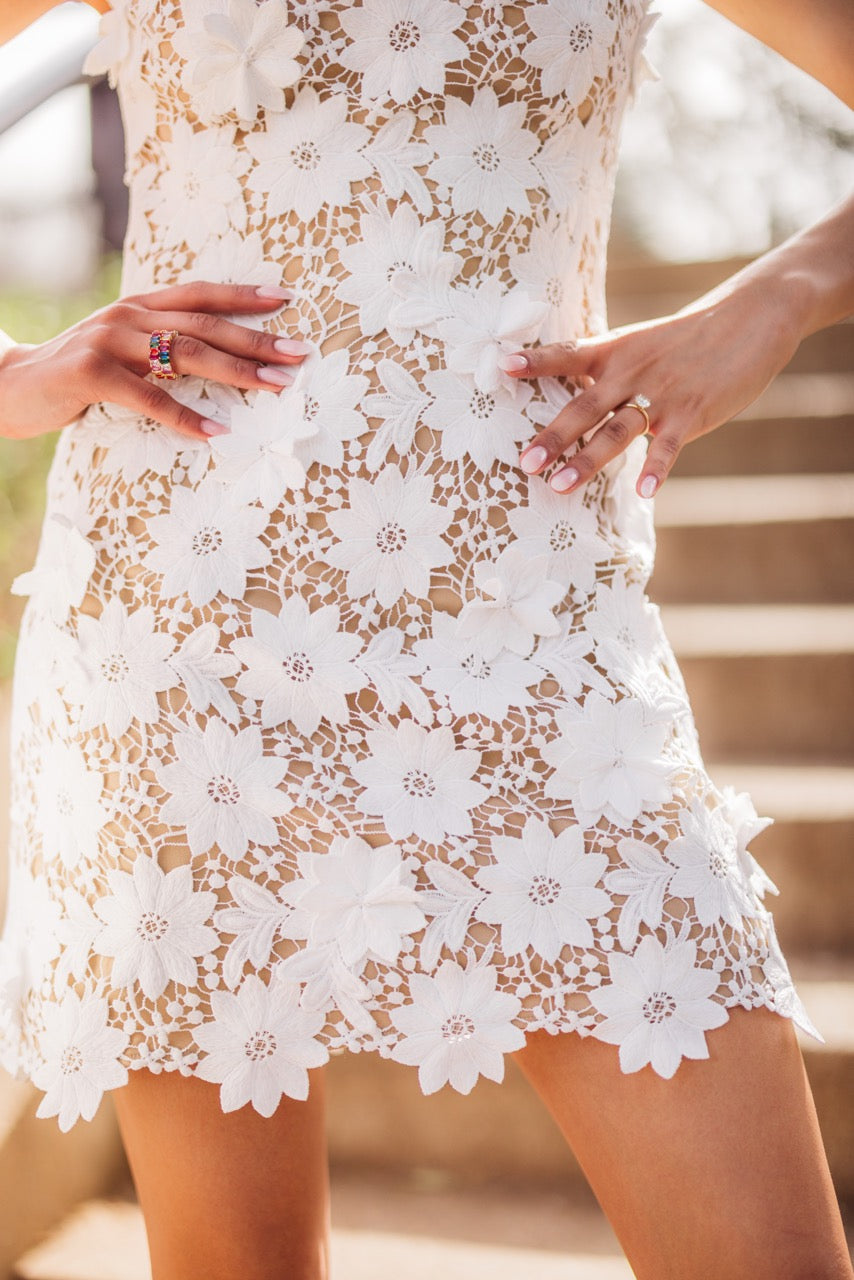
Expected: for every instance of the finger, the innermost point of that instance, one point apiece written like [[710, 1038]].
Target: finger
[[153, 402], [246, 361], [664, 448], [610, 440], [206, 295], [581, 414], [571, 359]]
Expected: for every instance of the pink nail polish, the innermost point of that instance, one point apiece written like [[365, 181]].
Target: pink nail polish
[[649, 484], [564, 479], [291, 347], [279, 377], [532, 459], [274, 291], [514, 363], [212, 428]]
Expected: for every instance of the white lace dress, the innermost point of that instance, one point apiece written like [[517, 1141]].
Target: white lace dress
[[340, 732]]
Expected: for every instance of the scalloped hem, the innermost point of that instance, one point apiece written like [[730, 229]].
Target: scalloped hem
[[786, 1002]]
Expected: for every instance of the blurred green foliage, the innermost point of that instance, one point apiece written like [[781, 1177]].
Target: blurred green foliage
[[35, 317]]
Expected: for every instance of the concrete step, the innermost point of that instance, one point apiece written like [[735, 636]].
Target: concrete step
[[413, 1226], [768, 683], [44, 1173], [808, 852], [752, 539], [802, 422]]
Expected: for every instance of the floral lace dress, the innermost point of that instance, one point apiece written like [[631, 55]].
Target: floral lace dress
[[339, 732]]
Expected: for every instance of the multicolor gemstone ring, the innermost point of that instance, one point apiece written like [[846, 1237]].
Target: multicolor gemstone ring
[[641, 404], [159, 358]]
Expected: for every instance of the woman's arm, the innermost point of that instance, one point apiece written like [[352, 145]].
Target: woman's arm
[[15, 17], [817, 36], [701, 366]]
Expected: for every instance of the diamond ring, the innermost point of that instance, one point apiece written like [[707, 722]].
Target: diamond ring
[[641, 403]]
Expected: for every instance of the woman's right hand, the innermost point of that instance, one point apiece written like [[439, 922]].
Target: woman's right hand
[[46, 386]]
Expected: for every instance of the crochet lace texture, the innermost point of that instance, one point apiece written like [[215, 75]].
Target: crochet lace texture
[[340, 732]]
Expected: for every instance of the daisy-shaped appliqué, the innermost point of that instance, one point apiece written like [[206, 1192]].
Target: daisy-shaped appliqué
[[121, 666], [206, 543], [64, 564], [483, 156], [517, 602], [657, 1006], [362, 898], [260, 1044], [485, 323], [623, 624], [401, 46], [70, 812], [389, 536], [573, 39], [454, 667], [154, 926], [457, 1028], [80, 1053], [298, 665], [486, 425], [307, 156], [329, 397], [542, 890], [608, 760], [547, 269], [707, 869], [257, 459], [238, 56], [746, 824], [392, 242], [223, 789], [206, 187], [563, 529], [419, 782]]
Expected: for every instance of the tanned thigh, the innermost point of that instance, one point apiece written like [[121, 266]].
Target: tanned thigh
[[227, 1195], [718, 1173]]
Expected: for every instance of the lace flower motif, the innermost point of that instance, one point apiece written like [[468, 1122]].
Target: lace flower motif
[[154, 926], [298, 665], [70, 812], [454, 667], [571, 47], [419, 782], [307, 157], [363, 899], [657, 1006], [542, 890], [486, 322], [401, 46], [64, 564], [516, 604], [457, 1027], [260, 1044], [483, 155], [609, 759], [238, 58], [389, 536], [112, 51], [80, 1054]]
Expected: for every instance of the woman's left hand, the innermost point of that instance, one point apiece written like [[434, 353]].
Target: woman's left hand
[[698, 368]]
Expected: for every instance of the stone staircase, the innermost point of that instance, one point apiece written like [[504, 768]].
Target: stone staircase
[[755, 576]]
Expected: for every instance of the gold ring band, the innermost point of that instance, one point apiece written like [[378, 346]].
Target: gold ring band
[[641, 404]]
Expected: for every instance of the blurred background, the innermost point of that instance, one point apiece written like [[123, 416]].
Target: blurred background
[[725, 155]]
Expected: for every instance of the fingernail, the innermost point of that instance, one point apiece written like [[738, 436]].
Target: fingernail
[[564, 479], [281, 377], [274, 291], [512, 363], [532, 459], [649, 484], [291, 347], [212, 428]]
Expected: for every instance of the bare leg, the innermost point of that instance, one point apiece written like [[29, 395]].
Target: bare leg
[[716, 1174], [227, 1195]]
